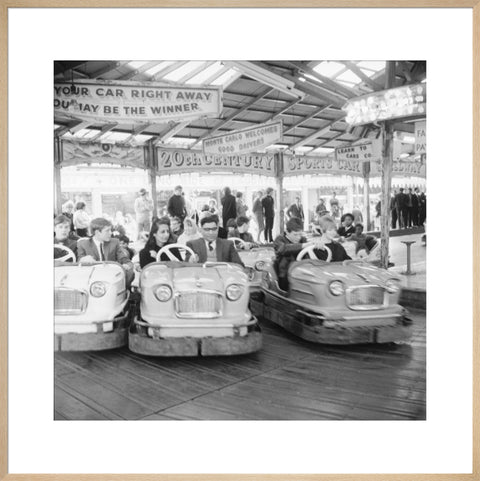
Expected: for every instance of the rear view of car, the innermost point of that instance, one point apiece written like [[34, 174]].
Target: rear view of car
[[194, 309]]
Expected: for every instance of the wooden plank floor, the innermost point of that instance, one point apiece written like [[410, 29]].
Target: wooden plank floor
[[288, 379]]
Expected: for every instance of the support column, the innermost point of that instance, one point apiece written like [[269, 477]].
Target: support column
[[57, 178], [152, 172], [387, 161], [366, 193], [279, 221], [306, 207]]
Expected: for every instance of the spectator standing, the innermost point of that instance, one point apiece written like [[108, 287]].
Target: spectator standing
[[258, 213], [212, 207], [416, 207], [241, 206], [81, 220], [321, 208], [296, 210], [229, 206], [143, 209], [268, 214], [409, 208], [67, 210], [393, 209], [422, 209], [401, 206], [334, 202], [176, 204]]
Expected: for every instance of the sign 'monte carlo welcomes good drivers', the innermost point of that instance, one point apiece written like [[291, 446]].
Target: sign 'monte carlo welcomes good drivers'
[[134, 102]]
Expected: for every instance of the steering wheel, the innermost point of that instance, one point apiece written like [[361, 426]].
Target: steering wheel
[[69, 253], [310, 251], [240, 241], [167, 250]]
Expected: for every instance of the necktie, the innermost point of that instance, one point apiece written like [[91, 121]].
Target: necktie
[[102, 254], [210, 246]]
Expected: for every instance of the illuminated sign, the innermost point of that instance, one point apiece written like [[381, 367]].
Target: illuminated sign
[[406, 101]]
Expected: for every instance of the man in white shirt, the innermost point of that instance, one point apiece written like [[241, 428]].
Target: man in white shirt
[[210, 247]]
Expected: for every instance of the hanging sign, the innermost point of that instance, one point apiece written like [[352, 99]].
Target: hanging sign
[[245, 140], [135, 102], [421, 137], [171, 161], [301, 165], [401, 168], [75, 152], [363, 152], [406, 101]]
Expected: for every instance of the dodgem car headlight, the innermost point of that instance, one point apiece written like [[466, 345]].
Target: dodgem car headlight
[[163, 293], [393, 285], [336, 288], [250, 273], [234, 292], [260, 265], [98, 289]]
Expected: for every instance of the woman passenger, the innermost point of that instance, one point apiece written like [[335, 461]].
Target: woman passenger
[[160, 236], [328, 229]]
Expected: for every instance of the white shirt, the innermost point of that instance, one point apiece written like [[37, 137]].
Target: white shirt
[[98, 244]]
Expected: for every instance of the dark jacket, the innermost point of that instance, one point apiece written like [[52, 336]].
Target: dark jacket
[[224, 248], [267, 205], [285, 253], [295, 211], [176, 206], [146, 258], [344, 232], [112, 249], [229, 205], [68, 242], [401, 200]]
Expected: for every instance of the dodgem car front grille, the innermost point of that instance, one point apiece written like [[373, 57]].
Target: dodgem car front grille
[[198, 304], [70, 301], [366, 297]]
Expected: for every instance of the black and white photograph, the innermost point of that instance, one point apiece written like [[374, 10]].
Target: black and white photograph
[[240, 240]]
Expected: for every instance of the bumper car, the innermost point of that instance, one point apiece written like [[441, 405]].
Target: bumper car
[[349, 302], [254, 259], [189, 309], [91, 305]]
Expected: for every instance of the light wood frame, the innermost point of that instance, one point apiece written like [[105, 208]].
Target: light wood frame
[[5, 5]]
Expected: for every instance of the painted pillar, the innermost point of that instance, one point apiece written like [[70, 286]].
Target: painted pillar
[[387, 163], [306, 208], [152, 172], [57, 179]]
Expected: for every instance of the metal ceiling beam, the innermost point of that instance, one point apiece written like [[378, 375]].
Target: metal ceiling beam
[[138, 70], [79, 126], [305, 119], [326, 141], [332, 85], [283, 110], [171, 132], [61, 67], [106, 128], [137, 130], [232, 116], [169, 68], [66, 128], [365, 78], [314, 136], [105, 69], [195, 71]]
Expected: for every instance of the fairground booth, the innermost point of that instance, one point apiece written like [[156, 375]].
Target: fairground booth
[[350, 130]]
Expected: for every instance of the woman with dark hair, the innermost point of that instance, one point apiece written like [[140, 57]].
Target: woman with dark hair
[[159, 237], [229, 206], [81, 220]]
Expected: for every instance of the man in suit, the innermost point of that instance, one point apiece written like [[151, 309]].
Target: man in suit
[[401, 205], [211, 248], [102, 247], [296, 210]]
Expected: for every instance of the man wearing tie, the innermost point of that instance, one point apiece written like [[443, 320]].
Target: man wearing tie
[[210, 248], [101, 247]]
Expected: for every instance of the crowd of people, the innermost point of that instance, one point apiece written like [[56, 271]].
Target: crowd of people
[[204, 237]]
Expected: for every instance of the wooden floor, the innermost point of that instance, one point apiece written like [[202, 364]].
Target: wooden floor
[[288, 379]]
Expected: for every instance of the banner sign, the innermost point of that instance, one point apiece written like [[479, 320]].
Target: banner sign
[[406, 101], [75, 152], [362, 152], [245, 140], [173, 161], [135, 102], [301, 165], [401, 168], [421, 137]]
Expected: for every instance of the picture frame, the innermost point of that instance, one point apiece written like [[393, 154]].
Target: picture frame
[[5, 474]]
